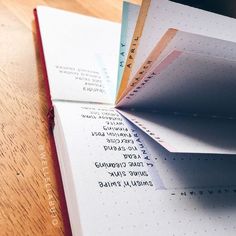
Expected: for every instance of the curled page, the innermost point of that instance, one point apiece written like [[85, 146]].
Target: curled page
[[179, 40], [189, 83], [181, 133], [164, 14]]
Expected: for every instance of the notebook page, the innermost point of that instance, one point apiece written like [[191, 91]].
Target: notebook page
[[81, 55], [179, 40], [187, 171], [164, 14], [129, 18], [187, 134], [134, 184], [104, 164], [189, 83]]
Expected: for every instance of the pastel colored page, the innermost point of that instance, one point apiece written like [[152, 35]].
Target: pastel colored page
[[133, 47], [129, 18], [135, 185], [163, 15], [81, 55]]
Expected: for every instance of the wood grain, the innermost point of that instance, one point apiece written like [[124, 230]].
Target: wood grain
[[30, 192]]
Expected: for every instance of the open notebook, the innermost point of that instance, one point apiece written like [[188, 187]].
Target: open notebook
[[144, 118]]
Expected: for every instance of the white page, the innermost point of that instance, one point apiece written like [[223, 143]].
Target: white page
[[81, 55], [83, 133], [184, 41], [187, 82], [170, 204], [129, 17], [185, 170], [164, 14], [187, 134]]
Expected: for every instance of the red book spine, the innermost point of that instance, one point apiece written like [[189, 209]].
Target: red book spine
[[50, 118]]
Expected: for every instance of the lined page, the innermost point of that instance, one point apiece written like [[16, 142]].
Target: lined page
[[81, 55], [136, 187]]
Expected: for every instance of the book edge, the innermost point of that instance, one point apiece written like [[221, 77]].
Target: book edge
[[50, 118]]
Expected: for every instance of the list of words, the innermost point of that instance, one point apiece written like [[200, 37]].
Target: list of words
[[121, 160], [92, 80]]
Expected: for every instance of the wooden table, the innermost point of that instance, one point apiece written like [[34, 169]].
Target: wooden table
[[31, 194]]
